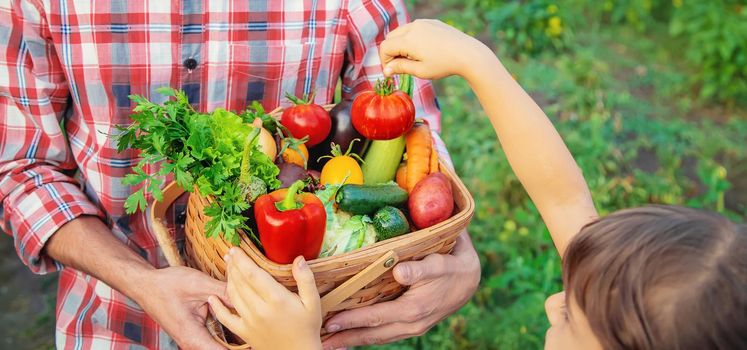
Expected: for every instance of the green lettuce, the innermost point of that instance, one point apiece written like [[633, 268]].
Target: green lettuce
[[344, 232], [217, 152]]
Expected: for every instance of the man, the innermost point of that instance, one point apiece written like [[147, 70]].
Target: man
[[66, 69]]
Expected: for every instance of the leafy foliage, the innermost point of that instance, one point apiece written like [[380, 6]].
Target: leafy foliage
[[716, 32], [523, 28], [202, 150], [711, 34], [528, 28]]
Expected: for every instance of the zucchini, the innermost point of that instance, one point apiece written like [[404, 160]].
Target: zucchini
[[390, 222], [366, 199], [382, 160]]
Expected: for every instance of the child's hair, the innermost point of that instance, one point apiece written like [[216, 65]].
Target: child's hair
[[661, 277]]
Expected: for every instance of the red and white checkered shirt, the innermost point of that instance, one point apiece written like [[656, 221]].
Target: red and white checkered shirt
[[66, 69]]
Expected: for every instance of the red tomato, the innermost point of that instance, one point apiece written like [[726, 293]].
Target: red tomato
[[306, 119], [383, 113]]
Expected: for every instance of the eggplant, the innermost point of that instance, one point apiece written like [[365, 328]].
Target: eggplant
[[342, 133], [290, 173], [315, 174]]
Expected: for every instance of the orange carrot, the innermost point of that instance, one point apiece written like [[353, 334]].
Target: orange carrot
[[434, 159], [419, 149], [402, 176]]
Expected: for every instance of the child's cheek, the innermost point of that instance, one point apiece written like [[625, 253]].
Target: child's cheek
[[551, 341]]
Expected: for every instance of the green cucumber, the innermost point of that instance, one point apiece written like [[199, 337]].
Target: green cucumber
[[390, 222], [382, 160], [366, 199]]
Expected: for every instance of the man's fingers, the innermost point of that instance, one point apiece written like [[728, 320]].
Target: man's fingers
[[370, 316], [197, 337], [379, 335], [463, 244], [306, 285], [224, 314], [212, 286], [411, 272]]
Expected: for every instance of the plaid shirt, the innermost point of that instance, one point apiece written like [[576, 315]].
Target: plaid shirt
[[66, 69]]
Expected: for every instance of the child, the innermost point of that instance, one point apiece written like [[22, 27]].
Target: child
[[657, 277]]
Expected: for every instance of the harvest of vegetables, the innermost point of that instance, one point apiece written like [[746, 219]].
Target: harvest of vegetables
[[252, 159]]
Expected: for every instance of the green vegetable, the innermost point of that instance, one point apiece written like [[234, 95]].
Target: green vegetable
[[327, 196], [216, 152], [359, 226], [406, 84], [366, 199], [390, 222], [345, 233], [382, 159]]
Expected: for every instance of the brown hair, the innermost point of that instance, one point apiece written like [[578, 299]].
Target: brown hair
[[661, 277]]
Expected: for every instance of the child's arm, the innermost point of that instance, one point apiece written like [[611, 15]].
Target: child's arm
[[431, 49], [269, 315]]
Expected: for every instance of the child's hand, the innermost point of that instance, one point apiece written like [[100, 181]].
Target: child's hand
[[269, 315], [431, 49]]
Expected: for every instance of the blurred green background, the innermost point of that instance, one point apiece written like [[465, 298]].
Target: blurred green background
[[650, 96]]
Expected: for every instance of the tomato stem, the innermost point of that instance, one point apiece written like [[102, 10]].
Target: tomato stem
[[350, 145], [336, 151], [304, 100], [292, 143], [384, 87]]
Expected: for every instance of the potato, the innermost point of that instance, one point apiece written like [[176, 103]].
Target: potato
[[431, 201]]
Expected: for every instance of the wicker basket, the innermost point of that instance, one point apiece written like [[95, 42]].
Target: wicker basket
[[354, 279]]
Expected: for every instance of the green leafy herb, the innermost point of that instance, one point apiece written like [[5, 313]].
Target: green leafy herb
[[218, 153], [256, 110]]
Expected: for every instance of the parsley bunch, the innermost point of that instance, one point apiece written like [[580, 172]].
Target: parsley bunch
[[218, 153]]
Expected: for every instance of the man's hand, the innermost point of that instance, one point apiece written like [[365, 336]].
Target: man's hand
[[176, 298], [439, 286]]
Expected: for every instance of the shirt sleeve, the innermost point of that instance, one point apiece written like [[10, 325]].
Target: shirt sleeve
[[368, 23], [37, 191]]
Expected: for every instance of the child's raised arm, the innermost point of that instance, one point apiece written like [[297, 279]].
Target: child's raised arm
[[430, 49]]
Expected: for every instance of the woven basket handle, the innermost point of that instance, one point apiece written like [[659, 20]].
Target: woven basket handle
[[157, 212], [360, 280]]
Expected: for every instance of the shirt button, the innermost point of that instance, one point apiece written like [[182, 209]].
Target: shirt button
[[190, 63]]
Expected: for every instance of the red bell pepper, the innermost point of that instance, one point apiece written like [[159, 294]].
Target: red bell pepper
[[290, 224]]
